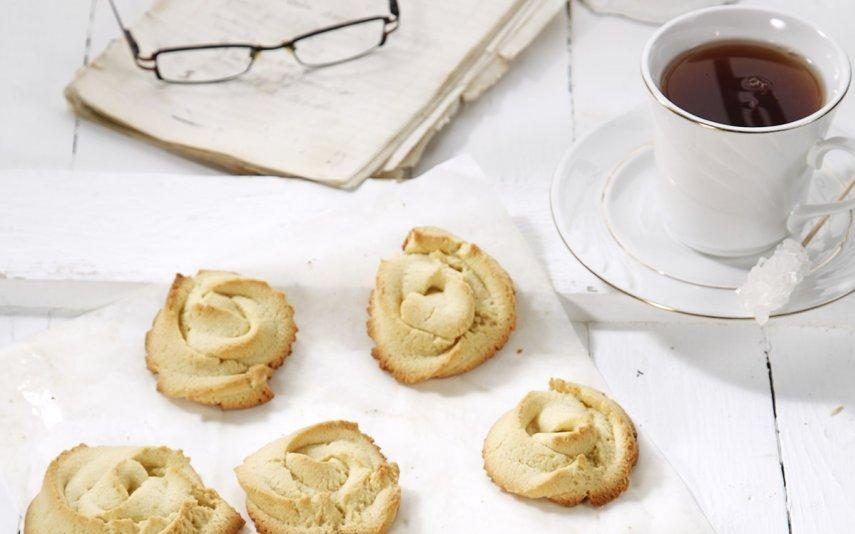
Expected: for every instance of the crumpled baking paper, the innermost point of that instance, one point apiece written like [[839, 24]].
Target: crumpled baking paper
[[86, 380]]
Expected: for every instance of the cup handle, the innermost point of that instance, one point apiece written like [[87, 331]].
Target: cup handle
[[804, 212]]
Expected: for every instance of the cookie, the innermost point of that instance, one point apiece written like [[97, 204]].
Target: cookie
[[568, 444], [440, 309], [218, 339], [104, 490], [324, 479]]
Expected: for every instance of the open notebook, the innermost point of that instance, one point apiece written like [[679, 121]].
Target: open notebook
[[338, 125]]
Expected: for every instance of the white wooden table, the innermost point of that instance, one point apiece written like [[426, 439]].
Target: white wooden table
[[750, 417]]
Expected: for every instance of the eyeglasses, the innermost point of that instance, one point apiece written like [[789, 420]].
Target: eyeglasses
[[220, 62]]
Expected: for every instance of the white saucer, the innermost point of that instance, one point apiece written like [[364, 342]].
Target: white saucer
[[605, 206]]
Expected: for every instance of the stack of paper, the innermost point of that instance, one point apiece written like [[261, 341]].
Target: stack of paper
[[372, 116]]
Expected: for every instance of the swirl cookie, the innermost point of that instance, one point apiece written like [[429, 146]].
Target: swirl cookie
[[218, 339], [567, 444], [440, 309], [324, 479], [105, 490]]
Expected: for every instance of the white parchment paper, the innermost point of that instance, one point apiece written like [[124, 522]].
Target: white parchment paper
[[86, 380]]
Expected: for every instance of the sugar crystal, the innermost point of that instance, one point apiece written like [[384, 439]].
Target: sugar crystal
[[771, 282]]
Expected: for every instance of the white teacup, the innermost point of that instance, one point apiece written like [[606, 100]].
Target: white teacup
[[735, 191]]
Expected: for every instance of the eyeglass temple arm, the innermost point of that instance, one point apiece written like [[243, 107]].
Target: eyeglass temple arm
[[396, 16], [129, 38]]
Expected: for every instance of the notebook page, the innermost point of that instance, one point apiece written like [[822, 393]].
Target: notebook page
[[493, 63], [335, 124]]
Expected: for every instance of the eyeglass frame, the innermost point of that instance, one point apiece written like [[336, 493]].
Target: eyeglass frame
[[390, 24]]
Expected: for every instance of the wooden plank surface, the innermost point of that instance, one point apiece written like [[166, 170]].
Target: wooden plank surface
[[701, 392], [813, 374], [41, 49]]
